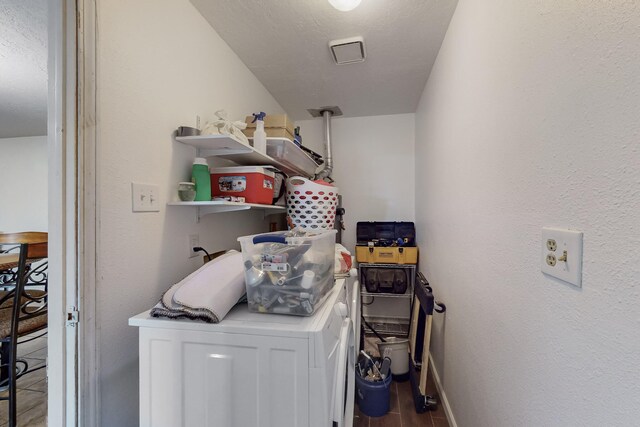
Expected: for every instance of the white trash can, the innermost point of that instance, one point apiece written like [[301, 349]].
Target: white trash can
[[399, 356]]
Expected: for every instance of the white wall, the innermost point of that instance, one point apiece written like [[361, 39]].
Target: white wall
[[159, 64], [373, 166], [23, 193], [374, 170], [529, 119]]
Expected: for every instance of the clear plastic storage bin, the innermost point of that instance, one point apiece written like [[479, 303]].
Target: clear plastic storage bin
[[288, 272], [292, 156]]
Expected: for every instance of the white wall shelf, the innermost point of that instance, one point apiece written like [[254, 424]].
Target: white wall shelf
[[218, 206], [230, 148]]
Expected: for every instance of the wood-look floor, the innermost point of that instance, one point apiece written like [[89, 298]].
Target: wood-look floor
[[402, 412], [32, 388]]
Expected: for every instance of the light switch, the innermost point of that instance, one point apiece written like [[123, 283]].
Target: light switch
[[145, 197], [562, 254]]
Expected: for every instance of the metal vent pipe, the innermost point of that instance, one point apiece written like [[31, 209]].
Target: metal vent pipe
[[328, 163]]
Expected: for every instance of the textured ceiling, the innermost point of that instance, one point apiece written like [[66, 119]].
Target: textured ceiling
[[23, 68], [285, 44]]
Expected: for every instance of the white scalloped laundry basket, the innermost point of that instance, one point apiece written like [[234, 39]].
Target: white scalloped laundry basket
[[311, 205]]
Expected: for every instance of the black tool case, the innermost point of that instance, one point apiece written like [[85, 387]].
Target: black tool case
[[386, 279], [386, 242]]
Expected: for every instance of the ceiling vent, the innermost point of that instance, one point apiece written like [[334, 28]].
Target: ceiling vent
[[348, 51]]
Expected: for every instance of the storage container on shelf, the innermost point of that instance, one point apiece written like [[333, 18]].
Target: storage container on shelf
[[311, 204], [200, 176], [254, 183], [288, 272], [288, 153]]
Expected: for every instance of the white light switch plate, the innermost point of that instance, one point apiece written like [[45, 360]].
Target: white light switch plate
[[145, 197], [555, 242]]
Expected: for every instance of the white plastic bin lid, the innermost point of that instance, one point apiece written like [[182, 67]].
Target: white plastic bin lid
[[243, 169]]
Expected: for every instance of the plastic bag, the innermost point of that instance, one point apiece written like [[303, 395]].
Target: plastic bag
[[224, 126]]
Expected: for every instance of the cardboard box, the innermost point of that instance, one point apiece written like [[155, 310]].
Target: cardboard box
[[273, 121], [271, 132]]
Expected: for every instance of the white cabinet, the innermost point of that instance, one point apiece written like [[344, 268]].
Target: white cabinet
[[251, 369], [200, 378]]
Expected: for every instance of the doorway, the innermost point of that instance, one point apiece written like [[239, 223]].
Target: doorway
[[24, 191], [68, 252], [41, 100]]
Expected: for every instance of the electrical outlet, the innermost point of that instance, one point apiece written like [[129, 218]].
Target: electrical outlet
[[552, 245], [145, 197], [194, 240], [562, 254]]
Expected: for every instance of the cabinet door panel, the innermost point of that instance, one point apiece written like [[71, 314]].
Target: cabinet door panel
[[227, 380], [158, 406]]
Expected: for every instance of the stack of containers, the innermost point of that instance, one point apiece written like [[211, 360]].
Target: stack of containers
[[288, 272], [387, 255]]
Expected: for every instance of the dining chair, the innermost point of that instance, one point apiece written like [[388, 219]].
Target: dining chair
[[23, 309]]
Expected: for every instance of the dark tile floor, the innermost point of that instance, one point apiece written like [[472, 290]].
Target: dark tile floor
[[32, 388], [402, 411], [32, 397]]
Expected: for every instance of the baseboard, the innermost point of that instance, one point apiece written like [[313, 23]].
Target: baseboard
[[443, 396]]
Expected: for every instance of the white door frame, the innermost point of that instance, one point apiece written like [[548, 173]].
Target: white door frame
[[88, 355], [72, 385], [62, 213]]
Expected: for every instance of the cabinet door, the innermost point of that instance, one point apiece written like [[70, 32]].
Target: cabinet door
[[190, 378]]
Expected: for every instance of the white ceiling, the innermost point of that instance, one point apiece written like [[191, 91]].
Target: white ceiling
[[285, 44], [23, 68]]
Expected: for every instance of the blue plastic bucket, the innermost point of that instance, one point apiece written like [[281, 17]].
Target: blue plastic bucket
[[373, 397]]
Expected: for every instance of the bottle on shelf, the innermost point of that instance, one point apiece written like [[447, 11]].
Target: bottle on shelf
[[259, 136], [297, 138], [201, 178]]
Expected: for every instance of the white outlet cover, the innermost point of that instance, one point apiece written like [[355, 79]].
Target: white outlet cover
[[566, 240], [194, 240]]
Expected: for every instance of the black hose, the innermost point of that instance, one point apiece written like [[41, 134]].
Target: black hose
[[373, 330]]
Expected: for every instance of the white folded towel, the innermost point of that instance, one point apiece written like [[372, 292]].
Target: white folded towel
[[206, 294]]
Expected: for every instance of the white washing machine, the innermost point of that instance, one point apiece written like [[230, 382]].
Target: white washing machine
[[252, 369]]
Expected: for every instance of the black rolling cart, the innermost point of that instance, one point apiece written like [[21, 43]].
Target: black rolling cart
[[387, 256], [389, 282]]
